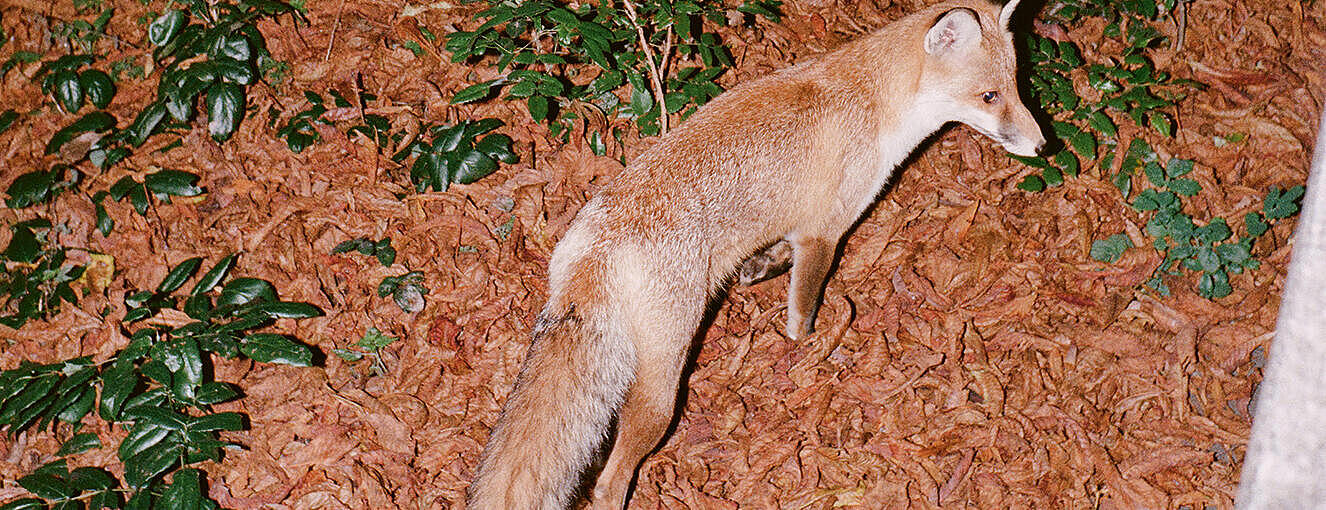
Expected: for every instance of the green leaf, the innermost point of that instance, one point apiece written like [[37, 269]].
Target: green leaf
[[1102, 123], [68, 91], [1280, 204], [1185, 187], [165, 27], [287, 310], [179, 274], [373, 340], [214, 276], [79, 444], [7, 119], [271, 348], [1155, 174], [147, 122], [241, 291], [475, 92], [219, 421], [142, 468], [92, 122], [538, 107], [225, 110], [116, 385], [1207, 259], [497, 146], [1178, 167], [46, 486], [1233, 253], [97, 86], [1032, 183], [474, 165], [31, 188], [184, 492], [173, 183], [1255, 224], [1214, 285], [214, 393], [1161, 123]]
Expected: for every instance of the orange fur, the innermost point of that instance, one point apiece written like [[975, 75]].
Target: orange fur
[[797, 155]]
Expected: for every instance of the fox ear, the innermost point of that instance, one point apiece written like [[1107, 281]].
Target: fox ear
[[1006, 14], [957, 28]]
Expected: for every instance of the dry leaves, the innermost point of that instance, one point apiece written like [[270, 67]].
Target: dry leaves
[[970, 355]]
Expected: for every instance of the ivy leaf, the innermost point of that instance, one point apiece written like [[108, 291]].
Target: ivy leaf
[[92, 122]]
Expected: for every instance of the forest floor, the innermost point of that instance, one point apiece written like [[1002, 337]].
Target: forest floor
[[970, 354]]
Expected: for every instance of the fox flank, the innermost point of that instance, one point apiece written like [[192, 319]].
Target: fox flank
[[798, 156]]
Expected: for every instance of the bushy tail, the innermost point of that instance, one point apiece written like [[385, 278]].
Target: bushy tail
[[574, 378]]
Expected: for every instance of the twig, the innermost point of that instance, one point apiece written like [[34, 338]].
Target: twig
[[335, 26], [655, 77]]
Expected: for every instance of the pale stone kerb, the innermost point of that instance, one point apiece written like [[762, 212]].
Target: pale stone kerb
[[1285, 467]]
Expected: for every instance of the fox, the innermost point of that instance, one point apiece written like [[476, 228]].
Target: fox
[[795, 157]]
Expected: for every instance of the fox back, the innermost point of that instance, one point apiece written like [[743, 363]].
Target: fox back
[[798, 156]]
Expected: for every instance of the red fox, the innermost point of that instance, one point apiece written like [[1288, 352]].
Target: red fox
[[798, 156]]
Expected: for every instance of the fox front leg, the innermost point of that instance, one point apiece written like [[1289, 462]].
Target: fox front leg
[[811, 258]]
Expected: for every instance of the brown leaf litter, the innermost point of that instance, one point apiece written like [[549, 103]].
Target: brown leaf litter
[[971, 353]]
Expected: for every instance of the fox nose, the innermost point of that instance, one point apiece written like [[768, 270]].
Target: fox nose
[[1040, 147]]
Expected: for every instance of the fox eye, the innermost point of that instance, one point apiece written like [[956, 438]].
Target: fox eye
[[989, 96]]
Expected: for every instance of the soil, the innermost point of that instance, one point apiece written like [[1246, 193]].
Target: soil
[[970, 353]]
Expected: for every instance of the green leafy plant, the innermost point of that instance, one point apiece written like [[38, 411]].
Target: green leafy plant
[[82, 33], [369, 346], [65, 79], [215, 58], [298, 130], [456, 153], [664, 50], [159, 388], [1127, 85], [380, 249], [1208, 249], [406, 290], [36, 276]]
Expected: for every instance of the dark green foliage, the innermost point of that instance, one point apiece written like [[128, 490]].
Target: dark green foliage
[[368, 346], [1127, 85], [456, 153], [541, 45], [1209, 249], [36, 277], [406, 290], [381, 249], [159, 388]]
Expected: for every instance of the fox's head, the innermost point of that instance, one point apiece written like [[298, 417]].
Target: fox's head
[[971, 68]]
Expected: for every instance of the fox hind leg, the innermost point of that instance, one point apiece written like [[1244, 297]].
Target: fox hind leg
[[643, 419]]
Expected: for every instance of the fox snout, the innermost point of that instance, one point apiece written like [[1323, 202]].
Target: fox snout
[[1029, 146]]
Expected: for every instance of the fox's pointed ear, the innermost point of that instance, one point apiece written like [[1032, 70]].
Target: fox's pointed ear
[[1006, 14], [955, 29]]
